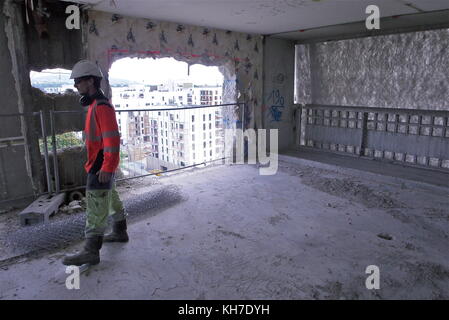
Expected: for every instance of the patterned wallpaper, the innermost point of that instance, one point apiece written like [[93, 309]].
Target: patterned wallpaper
[[239, 56]]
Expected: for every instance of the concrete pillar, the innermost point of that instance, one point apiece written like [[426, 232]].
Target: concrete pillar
[[278, 88]]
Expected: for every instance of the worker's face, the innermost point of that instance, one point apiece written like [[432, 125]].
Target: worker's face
[[83, 85]]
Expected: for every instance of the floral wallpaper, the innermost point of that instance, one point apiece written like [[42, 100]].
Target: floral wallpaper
[[239, 56]]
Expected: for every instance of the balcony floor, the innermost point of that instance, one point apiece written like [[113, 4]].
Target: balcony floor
[[307, 232]]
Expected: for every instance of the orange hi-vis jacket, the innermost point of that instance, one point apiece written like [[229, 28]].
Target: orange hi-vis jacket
[[102, 133]]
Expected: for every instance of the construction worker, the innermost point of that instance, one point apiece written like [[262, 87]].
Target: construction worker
[[103, 146]]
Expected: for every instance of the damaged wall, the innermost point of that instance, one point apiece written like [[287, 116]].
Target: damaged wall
[[41, 43], [50, 44], [64, 122], [111, 37], [13, 183], [406, 70], [20, 165]]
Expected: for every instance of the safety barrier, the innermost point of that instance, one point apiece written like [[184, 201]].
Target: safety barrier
[[411, 137], [153, 141]]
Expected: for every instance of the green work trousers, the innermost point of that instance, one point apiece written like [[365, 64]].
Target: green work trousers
[[103, 201]]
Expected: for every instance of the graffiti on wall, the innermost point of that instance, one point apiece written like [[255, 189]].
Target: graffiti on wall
[[276, 102]]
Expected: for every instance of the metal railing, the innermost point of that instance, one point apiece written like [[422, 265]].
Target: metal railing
[[412, 137], [141, 158], [134, 162]]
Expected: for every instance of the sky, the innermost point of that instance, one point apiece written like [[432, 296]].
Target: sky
[[149, 71], [153, 71]]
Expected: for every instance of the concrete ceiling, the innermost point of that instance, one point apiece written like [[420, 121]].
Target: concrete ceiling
[[263, 16]]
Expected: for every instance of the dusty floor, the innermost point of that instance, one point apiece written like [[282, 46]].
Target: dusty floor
[[308, 232]]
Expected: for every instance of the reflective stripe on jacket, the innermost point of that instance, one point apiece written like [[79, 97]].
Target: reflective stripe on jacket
[[102, 133]]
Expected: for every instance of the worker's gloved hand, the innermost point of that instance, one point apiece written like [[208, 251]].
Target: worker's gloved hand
[[104, 177]]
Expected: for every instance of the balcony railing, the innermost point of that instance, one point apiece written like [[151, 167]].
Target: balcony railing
[[408, 136], [133, 140]]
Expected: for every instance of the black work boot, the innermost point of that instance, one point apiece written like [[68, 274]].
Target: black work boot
[[118, 233], [90, 253]]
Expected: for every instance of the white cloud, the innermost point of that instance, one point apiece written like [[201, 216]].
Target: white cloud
[[153, 71]]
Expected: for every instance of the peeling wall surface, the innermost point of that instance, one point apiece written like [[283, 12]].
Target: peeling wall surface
[[36, 44], [7, 88], [279, 61], [111, 37], [64, 122], [407, 70], [61, 48], [14, 179]]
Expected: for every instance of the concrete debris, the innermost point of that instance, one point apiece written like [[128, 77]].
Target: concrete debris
[[385, 236], [338, 185], [74, 206], [355, 191], [69, 229]]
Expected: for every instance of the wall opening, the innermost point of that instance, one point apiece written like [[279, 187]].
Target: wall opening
[[188, 131], [56, 81]]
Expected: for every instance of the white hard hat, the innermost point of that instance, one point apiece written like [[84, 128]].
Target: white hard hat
[[85, 68]]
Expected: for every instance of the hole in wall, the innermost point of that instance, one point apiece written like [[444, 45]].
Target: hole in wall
[[56, 81], [154, 141]]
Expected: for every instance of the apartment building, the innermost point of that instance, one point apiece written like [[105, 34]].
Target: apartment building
[[172, 138]]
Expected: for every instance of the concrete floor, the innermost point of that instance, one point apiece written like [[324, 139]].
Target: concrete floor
[[308, 232], [384, 167]]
